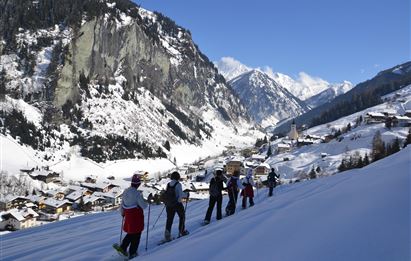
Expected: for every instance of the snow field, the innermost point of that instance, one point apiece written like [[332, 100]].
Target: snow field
[[362, 214]]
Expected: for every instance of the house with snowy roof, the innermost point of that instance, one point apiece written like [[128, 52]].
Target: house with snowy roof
[[37, 200], [283, 147], [262, 170], [56, 194], [44, 175], [13, 201], [99, 186], [374, 117], [233, 165], [401, 121], [112, 197], [15, 219], [200, 187], [93, 202], [54, 206], [258, 158]]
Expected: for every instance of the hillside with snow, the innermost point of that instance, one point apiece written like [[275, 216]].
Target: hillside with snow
[[357, 140], [356, 215]]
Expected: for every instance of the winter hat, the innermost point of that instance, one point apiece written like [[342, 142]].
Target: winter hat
[[175, 175], [135, 180], [218, 172]]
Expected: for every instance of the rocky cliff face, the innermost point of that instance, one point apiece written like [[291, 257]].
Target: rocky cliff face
[[113, 73]]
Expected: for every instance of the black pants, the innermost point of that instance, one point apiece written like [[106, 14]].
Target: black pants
[[271, 186], [211, 204], [133, 240], [231, 205], [251, 200], [171, 211]]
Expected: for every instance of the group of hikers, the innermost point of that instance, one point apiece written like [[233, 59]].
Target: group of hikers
[[133, 203]]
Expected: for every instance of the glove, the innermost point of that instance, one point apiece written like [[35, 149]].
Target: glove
[[150, 198]]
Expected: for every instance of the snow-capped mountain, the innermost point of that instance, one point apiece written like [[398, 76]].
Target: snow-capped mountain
[[329, 94], [109, 76], [266, 101], [231, 68], [303, 87]]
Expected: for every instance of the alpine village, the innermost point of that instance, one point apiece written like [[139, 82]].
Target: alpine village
[[113, 120]]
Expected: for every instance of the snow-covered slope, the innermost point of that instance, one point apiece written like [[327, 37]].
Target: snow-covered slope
[[266, 101], [357, 140], [358, 215]]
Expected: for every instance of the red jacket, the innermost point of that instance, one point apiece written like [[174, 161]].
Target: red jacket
[[248, 191], [133, 220]]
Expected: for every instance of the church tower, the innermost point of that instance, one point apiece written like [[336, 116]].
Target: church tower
[[293, 134]]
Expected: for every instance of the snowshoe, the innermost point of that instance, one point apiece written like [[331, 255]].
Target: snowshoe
[[165, 241], [133, 256], [120, 251], [183, 233]]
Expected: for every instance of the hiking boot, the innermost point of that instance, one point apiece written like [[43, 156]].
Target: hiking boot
[[132, 256], [184, 233], [206, 222], [167, 236], [120, 249]]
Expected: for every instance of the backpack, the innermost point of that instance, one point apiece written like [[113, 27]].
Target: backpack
[[168, 196], [214, 189]]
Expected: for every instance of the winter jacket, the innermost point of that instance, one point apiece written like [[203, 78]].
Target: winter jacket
[[272, 179], [216, 186], [248, 184], [132, 205], [236, 180], [179, 190]]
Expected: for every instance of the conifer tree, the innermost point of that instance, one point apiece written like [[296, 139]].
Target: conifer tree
[[269, 152], [366, 159], [378, 147], [312, 173]]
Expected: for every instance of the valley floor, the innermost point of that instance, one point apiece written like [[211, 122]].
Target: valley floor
[[363, 214]]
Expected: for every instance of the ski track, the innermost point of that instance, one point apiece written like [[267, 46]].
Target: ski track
[[91, 236]]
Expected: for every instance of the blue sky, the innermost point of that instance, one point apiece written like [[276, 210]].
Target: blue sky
[[332, 39]]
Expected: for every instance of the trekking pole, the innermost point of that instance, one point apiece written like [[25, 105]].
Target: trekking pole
[[148, 220], [158, 217], [121, 230]]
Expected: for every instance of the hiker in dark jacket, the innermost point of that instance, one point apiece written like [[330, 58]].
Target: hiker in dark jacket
[[216, 196], [176, 208], [233, 187], [272, 181]]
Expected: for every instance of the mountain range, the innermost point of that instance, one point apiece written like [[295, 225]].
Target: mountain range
[[270, 97], [266, 101], [113, 78]]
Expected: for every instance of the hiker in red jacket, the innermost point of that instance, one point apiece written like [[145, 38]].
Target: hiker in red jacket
[[248, 191], [132, 205]]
